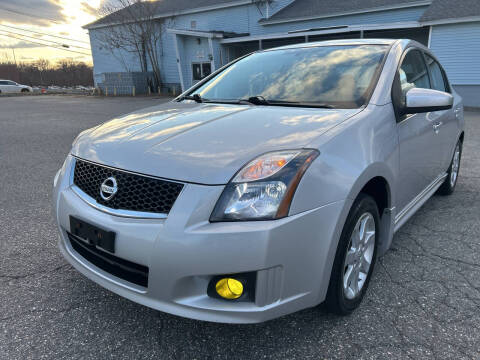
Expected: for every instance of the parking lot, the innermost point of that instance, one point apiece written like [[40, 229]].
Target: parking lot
[[423, 301]]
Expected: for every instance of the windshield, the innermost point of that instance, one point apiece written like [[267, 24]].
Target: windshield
[[337, 76]]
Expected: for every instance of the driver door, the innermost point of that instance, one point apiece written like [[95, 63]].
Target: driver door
[[419, 157]]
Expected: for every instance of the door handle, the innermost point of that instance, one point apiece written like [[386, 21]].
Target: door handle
[[437, 126]]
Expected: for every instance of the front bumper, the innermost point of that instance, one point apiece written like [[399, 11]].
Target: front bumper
[[291, 257]]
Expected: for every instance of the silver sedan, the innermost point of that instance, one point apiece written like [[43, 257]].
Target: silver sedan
[[271, 186], [7, 86]]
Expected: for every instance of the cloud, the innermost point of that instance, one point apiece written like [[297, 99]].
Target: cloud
[[87, 8], [32, 12], [19, 45]]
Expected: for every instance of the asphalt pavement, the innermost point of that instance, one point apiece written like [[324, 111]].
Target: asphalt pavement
[[423, 301]]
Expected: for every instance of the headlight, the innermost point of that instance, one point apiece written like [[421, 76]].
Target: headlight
[[264, 188]]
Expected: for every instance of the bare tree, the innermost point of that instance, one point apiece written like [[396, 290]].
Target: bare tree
[[133, 28], [42, 66], [65, 72]]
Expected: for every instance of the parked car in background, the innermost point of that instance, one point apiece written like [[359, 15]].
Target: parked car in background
[[10, 87], [269, 187]]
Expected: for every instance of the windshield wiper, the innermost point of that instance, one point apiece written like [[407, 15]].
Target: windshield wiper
[[256, 100], [300, 104], [195, 97], [260, 100]]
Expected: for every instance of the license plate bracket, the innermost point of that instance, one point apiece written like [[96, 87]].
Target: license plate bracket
[[93, 235]]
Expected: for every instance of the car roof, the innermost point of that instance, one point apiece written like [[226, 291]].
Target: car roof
[[339, 43]]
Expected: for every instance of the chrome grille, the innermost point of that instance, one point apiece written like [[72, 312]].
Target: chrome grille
[[136, 192]]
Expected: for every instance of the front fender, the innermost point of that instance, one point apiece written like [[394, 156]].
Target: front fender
[[351, 154]]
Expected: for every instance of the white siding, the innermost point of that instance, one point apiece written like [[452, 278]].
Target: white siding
[[106, 61], [457, 46]]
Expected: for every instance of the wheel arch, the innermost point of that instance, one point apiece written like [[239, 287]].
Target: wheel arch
[[376, 181], [375, 175]]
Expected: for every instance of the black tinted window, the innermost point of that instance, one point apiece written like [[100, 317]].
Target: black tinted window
[[438, 82], [342, 76], [197, 71], [413, 72], [206, 69]]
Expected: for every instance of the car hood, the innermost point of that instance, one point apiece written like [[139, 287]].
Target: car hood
[[202, 143]]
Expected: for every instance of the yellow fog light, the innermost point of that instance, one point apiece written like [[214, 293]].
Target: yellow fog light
[[229, 288]]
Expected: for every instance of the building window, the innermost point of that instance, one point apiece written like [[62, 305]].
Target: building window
[[206, 69], [193, 24], [201, 70], [197, 72]]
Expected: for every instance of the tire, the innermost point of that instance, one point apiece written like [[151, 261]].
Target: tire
[[342, 298], [25, 90], [448, 186]]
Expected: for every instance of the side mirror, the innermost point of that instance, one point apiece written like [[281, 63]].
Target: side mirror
[[427, 100]]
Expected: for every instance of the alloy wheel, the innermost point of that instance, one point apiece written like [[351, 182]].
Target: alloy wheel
[[455, 166], [359, 256]]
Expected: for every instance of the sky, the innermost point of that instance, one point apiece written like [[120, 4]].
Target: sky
[[25, 23]]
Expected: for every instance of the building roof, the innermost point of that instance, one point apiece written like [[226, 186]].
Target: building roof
[[451, 9], [438, 10], [161, 8], [323, 8]]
